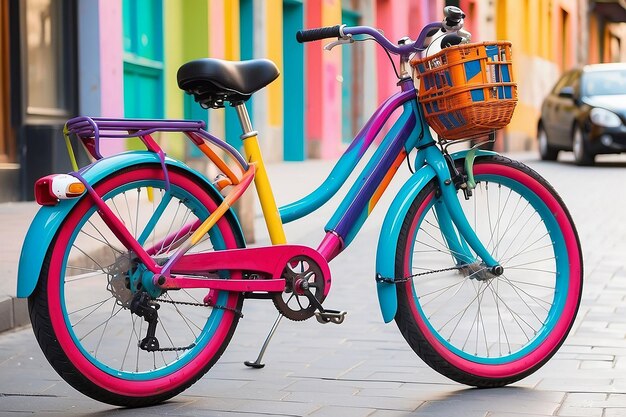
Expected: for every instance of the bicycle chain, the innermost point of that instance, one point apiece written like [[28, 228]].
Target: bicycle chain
[[380, 278], [187, 303]]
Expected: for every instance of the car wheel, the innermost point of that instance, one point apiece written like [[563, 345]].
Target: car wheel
[[582, 156], [547, 152]]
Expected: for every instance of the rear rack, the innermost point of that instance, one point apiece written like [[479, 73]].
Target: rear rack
[[91, 129]]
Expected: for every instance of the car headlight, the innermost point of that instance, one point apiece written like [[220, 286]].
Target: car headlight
[[605, 118]]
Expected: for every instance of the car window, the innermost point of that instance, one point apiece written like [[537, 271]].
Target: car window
[[604, 83], [563, 81]]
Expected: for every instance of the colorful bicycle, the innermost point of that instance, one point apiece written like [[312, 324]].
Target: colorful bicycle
[[136, 267]]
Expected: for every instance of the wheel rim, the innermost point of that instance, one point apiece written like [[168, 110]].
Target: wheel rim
[[578, 146], [457, 315], [543, 142], [106, 346]]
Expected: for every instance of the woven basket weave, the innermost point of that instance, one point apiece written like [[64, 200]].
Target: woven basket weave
[[467, 90]]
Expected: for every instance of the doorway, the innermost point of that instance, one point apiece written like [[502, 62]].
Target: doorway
[[293, 84]]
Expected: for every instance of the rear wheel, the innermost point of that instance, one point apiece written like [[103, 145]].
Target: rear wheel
[[478, 328], [80, 309]]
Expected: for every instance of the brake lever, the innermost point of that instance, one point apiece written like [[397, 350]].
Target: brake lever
[[467, 37], [340, 41]]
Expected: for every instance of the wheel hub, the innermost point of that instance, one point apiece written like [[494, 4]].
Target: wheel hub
[[481, 272]]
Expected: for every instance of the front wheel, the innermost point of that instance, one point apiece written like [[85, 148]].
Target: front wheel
[[582, 155], [478, 328], [81, 309]]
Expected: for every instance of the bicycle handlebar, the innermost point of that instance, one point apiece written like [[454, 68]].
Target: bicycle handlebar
[[342, 31], [452, 22]]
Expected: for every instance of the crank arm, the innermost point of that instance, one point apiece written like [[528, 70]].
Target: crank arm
[[324, 315]]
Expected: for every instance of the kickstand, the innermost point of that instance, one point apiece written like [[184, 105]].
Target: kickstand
[[257, 363]]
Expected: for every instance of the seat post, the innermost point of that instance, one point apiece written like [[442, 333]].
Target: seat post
[[252, 152], [244, 119]]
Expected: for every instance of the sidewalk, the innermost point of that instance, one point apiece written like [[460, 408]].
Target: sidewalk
[[364, 368]]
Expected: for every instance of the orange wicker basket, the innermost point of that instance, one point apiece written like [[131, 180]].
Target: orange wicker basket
[[467, 90]]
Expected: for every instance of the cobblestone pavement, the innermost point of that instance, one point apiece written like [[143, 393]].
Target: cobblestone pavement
[[364, 367]]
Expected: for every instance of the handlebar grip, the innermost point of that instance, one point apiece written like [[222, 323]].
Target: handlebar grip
[[318, 33]]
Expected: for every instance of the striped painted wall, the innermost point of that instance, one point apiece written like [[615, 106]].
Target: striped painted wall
[[322, 98], [300, 115]]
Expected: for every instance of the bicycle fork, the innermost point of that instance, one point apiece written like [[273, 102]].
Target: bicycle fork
[[451, 219]]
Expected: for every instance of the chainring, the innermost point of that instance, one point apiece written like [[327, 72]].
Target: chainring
[[292, 303]]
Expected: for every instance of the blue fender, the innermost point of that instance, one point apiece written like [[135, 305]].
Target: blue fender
[[390, 233], [49, 218]]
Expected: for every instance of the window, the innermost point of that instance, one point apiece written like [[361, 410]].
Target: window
[[46, 69], [563, 81], [605, 83]]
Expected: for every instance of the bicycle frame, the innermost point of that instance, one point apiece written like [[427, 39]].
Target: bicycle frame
[[408, 132]]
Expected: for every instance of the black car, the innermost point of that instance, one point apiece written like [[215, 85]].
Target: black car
[[586, 113]]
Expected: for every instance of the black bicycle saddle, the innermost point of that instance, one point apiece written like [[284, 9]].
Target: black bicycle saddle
[[215, 81]]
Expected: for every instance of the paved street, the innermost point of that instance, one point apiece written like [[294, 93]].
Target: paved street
[[364, 367]]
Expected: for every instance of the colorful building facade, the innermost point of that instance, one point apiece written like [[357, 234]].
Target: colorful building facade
[[129, 52]]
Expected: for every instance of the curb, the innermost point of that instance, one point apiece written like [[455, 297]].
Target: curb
[[13, 313]]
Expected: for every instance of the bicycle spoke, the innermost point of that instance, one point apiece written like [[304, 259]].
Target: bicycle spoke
[[137, 211], [90, 313], [528, 249], [530, 263], [445, 305], [80, 268], [95, 355], [185, 320], [90, 258], [89, 306], [524, 242], [169, 230], [531, 283], [516, 316], [87, 275], [101, 324], [130, 217], [130, 339], [103, 241], [539, 301], [178, 238]]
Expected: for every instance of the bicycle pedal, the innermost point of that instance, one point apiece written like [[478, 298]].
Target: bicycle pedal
[[330, 316]]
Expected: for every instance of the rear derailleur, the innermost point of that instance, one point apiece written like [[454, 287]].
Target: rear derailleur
[[143, 306]]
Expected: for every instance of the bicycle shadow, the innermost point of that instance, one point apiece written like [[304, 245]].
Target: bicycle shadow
[[476, 402], [464, 402]]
